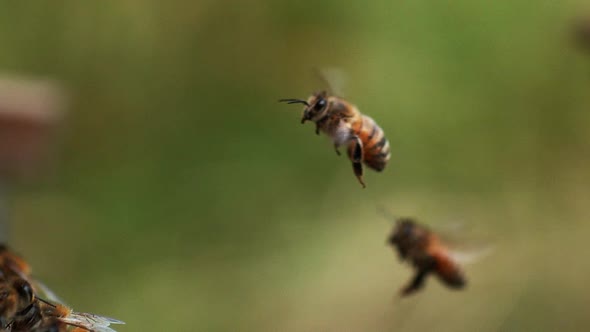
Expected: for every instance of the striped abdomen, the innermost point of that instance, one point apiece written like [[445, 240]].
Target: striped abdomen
[[446, 269], [375, 146]]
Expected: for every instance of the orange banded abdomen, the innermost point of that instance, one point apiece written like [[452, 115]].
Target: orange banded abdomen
[[447, 270], [376, 152]]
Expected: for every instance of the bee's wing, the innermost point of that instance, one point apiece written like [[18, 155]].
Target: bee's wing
[[90, 322], [40, 288], [465, 244], [466, 257], [334, 79], [46, 292]]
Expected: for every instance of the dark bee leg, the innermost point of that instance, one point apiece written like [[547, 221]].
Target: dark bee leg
[[317, 128], [355, 153], [336, 149], [426, 267], [416, 284]]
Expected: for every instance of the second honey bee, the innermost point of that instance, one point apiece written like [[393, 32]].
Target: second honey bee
[[425, 251], [364, 140]]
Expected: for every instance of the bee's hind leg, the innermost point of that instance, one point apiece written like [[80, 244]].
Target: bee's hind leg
[[416, 284], [426, 267], [336, 148], [355, 153]]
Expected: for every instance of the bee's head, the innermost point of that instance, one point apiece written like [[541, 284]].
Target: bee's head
[[25, 292], [404, 229], [315, 106], [405, 235]]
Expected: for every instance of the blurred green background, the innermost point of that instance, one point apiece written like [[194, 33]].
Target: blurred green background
[[187, 199]]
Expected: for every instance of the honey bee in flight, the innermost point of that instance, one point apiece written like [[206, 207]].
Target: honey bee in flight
[[422, 248], [346, 125]]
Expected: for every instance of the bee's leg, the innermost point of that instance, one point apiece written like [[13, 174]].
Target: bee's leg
[[336, 148], [355, 153], [425, 268], [317, 128], [417, 282]]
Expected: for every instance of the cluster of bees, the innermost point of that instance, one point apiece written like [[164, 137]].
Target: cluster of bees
[[366, 144], [28, 305]]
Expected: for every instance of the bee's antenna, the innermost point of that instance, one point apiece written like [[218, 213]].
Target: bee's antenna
[[294, 101], [386, 213], [45, 301]]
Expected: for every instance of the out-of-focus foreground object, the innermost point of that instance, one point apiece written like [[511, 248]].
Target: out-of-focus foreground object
[[30, 113], [23, 309]]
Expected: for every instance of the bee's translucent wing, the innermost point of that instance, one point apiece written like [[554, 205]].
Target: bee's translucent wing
[[40, 288], [90, 322], [46, 292], [334, 79], [466, 257], [466, 244]]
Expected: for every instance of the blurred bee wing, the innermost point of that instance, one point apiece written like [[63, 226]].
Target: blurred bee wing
[[466, 246], [471, 256], [334, 79], [40, 288], [90, 322], [464, 237], [46, 292]]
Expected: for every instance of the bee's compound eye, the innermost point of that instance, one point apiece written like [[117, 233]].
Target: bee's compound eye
[[320, 104], [24, 289]]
